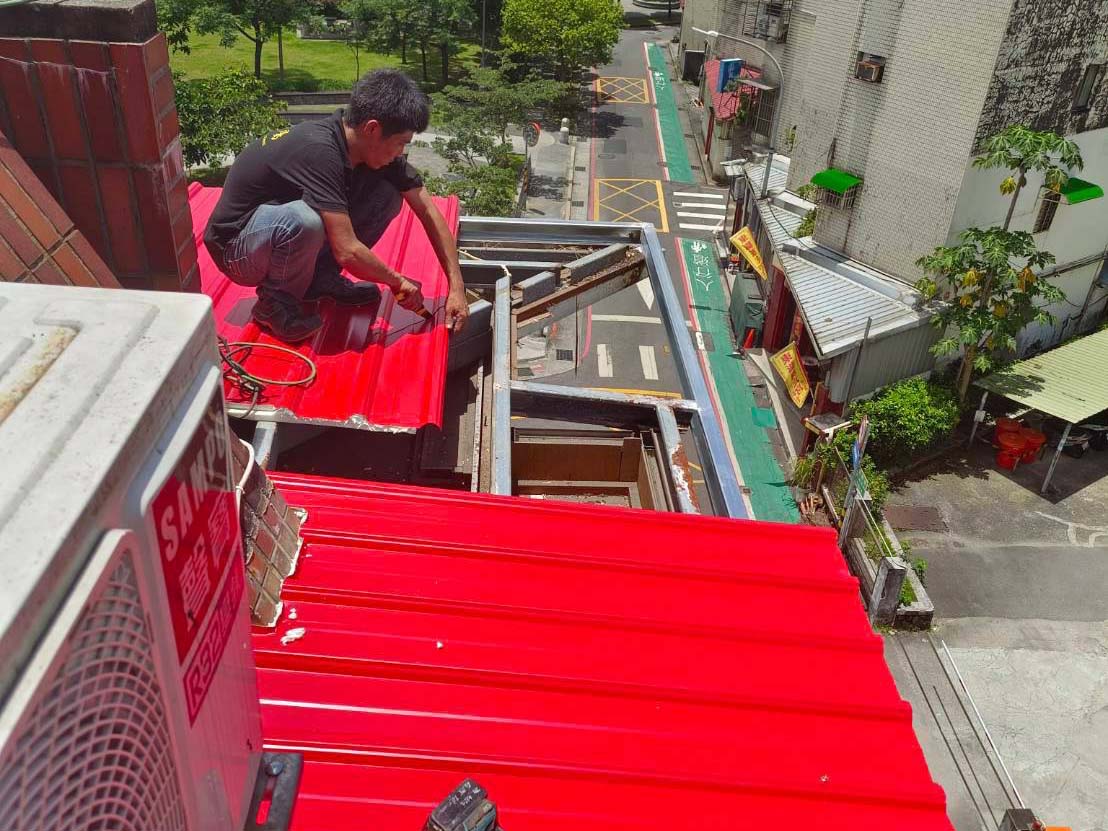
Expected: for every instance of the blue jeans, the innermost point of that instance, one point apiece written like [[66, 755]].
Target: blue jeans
[[283, 247]]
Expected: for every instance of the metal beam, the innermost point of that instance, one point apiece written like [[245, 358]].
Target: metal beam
[[570, 299], [502, 389], [1054, 461], [582, 405], [265, 444], [473, 229], [477, 273], [723, 483], [674, 463], [474, 342]]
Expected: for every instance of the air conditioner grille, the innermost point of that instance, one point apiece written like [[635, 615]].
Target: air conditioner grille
[[94, 753]]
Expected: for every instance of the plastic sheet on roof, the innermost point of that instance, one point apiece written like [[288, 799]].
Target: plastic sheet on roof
[[595, 668], [385, 374]]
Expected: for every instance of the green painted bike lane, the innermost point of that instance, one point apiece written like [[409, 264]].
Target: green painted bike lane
[[669, 124], [770, 495]]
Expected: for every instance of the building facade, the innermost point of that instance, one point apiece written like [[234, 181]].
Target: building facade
[[886, 103]]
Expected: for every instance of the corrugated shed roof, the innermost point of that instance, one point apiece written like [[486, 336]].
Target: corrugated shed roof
[[836, 295], [595, 668], [1068, 382], [387, 373], [725, 104]]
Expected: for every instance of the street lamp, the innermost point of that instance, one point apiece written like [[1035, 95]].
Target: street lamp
[[712, 33]]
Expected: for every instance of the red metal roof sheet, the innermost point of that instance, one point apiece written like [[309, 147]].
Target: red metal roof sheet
[[595, 668], [387, 373], [725, 104]]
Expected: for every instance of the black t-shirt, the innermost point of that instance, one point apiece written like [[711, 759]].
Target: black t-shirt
[[309, 161]]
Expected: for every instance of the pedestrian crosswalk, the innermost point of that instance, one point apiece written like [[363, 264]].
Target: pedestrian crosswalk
[[647, 364], [700, 210]]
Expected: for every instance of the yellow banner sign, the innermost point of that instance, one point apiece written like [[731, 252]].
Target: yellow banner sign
[[789, 366], [743, 240]]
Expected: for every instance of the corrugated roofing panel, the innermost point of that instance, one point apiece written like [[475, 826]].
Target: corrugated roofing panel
[[595, 668], [725, 104], [387, 373], [1068, 382]]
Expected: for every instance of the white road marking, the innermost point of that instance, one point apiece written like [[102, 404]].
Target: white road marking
[[705, 195], [649, 363], [690, 227], [647, 292], [709, 206], [698, 216], [604, 360], [625, 319], [700, 341]]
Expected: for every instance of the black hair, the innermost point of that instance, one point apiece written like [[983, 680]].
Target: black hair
[[390, 97]]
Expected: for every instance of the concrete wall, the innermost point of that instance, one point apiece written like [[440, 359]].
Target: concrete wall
[[1079, 233], [1047, 46]]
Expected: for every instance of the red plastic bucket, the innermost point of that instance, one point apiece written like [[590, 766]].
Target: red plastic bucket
[[1033, 442], [1011, 441], [1007, 459]]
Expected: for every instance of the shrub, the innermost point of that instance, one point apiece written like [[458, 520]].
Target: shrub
[[907, 418], [222, 114]]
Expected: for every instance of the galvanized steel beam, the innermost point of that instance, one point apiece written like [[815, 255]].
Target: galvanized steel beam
[[674, 461], [502, 389]]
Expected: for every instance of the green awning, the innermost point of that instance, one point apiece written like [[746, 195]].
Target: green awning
[[1078, 190], [836, 180], [1068, 381]]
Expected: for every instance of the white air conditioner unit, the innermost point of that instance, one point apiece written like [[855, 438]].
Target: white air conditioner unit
[[869, 71], [128, 697]]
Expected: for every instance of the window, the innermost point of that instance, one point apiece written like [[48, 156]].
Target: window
[[842, 201], [1047, 208], [1094, 74], [869, 68]]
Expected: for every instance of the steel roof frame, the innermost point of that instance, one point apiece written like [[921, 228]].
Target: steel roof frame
[[592, 406]]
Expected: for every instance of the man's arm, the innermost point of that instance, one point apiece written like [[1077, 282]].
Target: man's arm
[[350, 253], [442, 240]]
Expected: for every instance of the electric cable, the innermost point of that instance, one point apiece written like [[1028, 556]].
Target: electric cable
[[247, 381]]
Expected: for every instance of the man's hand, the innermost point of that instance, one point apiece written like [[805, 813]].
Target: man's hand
[[457, 310], [408, 294]]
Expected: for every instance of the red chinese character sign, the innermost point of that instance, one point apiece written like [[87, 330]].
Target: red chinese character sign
[[200, 546], [789, 366]]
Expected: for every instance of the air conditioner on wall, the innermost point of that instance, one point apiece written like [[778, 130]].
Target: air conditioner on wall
[[869, 71], [128, 697]]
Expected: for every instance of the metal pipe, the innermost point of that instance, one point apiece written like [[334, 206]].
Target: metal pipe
[[857, 359], [780, 95], [502, 389], [724, 484], [671, 447], [1054, 461], [980, 414]]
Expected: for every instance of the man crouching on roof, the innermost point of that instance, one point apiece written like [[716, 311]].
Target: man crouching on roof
[[301, 204]]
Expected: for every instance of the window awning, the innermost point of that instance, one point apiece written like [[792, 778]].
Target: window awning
[[1078, 190], [836, 180]]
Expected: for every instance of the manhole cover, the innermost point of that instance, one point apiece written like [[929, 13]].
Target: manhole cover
[[578, 203], [563, 354], [914, 518], [605, 155], [580, 168]]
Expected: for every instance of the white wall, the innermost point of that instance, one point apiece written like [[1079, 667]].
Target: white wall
[[1077, 233]]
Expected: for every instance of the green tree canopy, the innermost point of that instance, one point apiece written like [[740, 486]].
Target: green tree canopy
[[497, 98], [222, 114], [990, 292], [396, 25], [256, 20], [568, 34]]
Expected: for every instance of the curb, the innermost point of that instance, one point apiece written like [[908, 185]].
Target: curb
[[567, 202]]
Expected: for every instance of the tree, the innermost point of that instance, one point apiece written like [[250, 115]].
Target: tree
[[394, 25], [256, 20], [991, 292], [222, 114], [1021, 150], [568, 34], [493, 98]]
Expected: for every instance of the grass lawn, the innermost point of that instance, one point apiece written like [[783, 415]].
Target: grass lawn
[[312, 65]]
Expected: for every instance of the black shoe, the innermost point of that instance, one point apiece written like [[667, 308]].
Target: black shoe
[[342, 291], [280, 315]]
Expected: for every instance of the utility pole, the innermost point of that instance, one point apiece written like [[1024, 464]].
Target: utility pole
[[777, 104]]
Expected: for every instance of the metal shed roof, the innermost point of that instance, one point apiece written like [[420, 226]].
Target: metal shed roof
[[600, 668], [1068, 382], [387, 373]]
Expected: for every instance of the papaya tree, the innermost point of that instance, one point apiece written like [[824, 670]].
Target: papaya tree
[[990, 291]]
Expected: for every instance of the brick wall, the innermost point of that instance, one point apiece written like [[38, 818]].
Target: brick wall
[[96, 121], [38, 241]]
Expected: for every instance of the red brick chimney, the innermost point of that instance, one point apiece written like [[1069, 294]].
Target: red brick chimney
[[86, 98]]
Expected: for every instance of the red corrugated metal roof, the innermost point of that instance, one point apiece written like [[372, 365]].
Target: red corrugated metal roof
[[595, 668], [389, 373]]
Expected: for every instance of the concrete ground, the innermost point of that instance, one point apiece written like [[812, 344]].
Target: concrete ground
[[1019, 585]]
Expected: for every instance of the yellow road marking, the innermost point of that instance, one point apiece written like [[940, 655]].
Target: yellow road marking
[[615, 188], [653, 393], [619, 90]]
